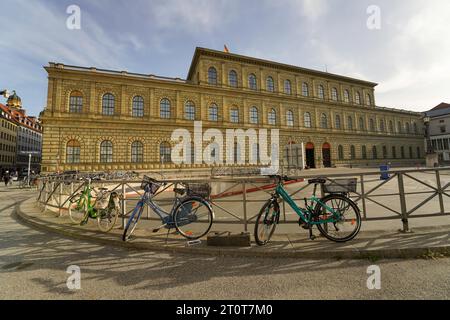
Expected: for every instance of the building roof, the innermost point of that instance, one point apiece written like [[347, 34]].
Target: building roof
[[440, 110], [271, 64], [19, 117]]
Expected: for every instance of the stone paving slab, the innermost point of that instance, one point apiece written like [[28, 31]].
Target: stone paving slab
[[372, 245]]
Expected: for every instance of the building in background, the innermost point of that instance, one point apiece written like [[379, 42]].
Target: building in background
[[8, 137], [27, 136], [114, 120], [439, 131]]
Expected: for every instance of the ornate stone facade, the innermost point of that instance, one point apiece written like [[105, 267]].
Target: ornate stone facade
[[335, 117]]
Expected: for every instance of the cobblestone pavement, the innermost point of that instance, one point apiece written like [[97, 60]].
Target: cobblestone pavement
[[33, 265]]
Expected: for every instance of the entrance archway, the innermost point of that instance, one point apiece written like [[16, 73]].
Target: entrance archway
[[326, 155], [309, 150]]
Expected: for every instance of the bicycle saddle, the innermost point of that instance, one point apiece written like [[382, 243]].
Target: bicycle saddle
[[317, 181], [179, 191]]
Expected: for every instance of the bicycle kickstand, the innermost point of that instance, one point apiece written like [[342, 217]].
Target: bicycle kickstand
[[311, 236]]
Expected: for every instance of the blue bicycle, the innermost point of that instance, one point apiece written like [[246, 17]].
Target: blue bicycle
[[191, 215]]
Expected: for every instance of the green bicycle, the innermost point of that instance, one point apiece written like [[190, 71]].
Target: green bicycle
[[336, 216], [105, 209]]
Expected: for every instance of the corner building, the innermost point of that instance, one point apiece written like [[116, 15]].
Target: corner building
[[114, 120]]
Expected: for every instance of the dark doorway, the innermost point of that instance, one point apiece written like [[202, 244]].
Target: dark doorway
[[326, 155], [310, 162]]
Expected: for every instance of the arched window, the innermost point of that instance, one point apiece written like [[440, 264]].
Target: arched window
[[76, 102], [213, 113], [334, 94], [358, 98], [402, 152], [350, 123], [346, 96], [305, 89], [165, 152], [189, 110], [323, 121], [106, 152], [361, 124], [234, 115], [272, 117], [321, 92], [352, 152], [411, 155], [138, 107], [371, 125], [108, 102], [391, 127], [252, 82], [164, 109], [290, 118], [394, 152], [287, 87], [415, 128], [341, 152], [233, 79], [137, 152], [408, 128], [382, 127], [369, 99], [337, 122], [400, 127], [73, 149], [270, 84], [385, 152], [364, 152], [374, 152], [212, 76], [254, 116], [307, 120], [418, 153]]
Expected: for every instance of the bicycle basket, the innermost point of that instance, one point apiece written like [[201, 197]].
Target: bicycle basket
[[202, 190], [152, 185], [340, 186]]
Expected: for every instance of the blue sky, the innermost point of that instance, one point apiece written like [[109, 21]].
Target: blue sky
[[409, 56]]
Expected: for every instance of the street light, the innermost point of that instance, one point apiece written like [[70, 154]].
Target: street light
[[29, 153], [426, 121]]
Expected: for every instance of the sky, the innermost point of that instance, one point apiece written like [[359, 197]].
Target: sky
[[405, 48]]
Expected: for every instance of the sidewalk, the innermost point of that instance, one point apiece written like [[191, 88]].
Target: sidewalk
[[373, 245]]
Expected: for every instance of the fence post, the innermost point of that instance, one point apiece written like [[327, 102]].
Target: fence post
[[244, 193], [440, 191], [60, 199], [123, 206], [401, 189], [363, 196]]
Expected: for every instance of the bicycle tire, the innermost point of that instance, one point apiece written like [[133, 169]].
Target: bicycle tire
[[131, 224], [355, 221], [182, 218], [112, 222], [274, 219], [78, 214]]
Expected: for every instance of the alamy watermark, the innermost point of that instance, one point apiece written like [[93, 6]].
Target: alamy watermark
[[374, 280], [74, 280], [73, 22], [374, 19], [213, 148]]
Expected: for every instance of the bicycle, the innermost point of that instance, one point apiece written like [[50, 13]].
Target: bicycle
[[105, 209], [191, 214], [336, 216]]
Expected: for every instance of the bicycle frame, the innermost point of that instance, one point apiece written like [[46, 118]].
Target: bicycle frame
[[280, 191], [163, 215]]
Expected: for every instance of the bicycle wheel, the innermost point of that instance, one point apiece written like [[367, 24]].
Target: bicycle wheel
[[345, 213], [266, 222], [131, 224], [107, 219], [78, 208], [193, 218]]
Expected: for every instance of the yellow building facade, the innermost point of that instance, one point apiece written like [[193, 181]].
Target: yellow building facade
[[114, 120]]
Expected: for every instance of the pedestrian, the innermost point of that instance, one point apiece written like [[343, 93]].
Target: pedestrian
[[6, 178]]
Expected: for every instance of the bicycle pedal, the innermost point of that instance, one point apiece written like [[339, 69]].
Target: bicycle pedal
[[312, 238]]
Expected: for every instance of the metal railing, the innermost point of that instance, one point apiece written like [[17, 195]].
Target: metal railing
[[405, 195]]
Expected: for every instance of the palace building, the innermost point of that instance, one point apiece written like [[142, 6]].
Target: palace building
[[115, 120]]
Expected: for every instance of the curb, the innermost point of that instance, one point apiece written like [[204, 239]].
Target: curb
[[255, 252]]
